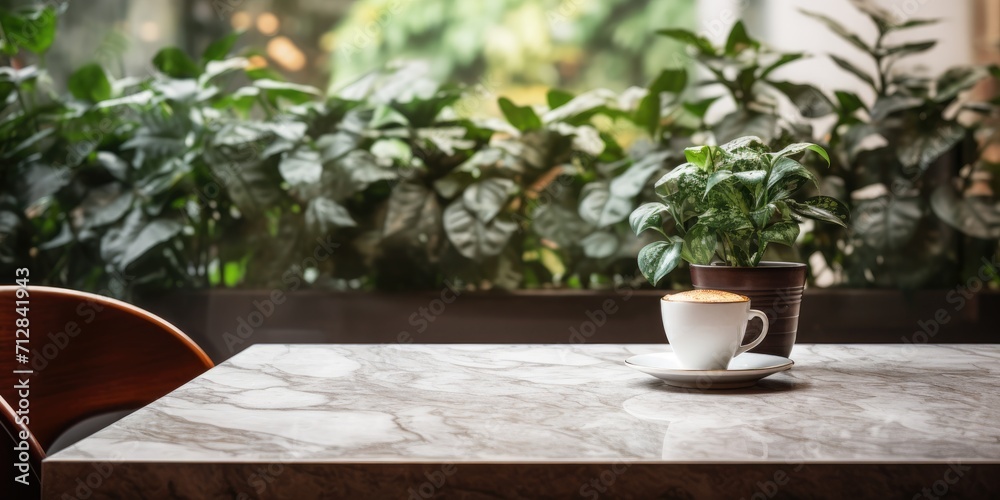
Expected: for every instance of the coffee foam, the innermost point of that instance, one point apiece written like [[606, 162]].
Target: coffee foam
[[706, 297]]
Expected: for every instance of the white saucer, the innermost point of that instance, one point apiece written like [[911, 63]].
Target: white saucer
[[744, 370]]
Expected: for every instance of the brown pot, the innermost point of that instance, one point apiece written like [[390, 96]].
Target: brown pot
[[773, 287]]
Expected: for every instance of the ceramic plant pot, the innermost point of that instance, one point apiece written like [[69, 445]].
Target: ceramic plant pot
[[773, 287]]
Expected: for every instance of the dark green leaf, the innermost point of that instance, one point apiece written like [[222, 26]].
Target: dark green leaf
[[699, 108], [784, 233], [957, 80], [716, 178], [811, 102], [33, 30], [324, 215], [913, 23], [522, 118], [89, 83], [823, 208], [907, 49], [977, 216], [293, 92], [920, 148], [794, 149], [752, 179], [738, 40], [724, 220], [301, 167], [556, 98], [700, 43], [631, 182], [657, 259], [600, 208], [888, 223], [600, 245], [174, 63], [840, 30], [411, 207], [850, 67], [788, 176], [647, 216], [699, 245], [746, 123], [849, 102], [783, 60], [669, 80], [473, 238], [134, 237], [486, 198], [220, 48]]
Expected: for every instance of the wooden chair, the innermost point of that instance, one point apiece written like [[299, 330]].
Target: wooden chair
[[89, 355]]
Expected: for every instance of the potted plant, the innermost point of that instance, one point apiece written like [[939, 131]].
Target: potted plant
[[721, 210]]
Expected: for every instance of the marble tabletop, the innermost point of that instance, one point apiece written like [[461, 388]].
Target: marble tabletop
[[364, 416]]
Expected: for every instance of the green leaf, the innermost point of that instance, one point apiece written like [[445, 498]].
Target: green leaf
[[135, 237], [412, 206], [659, 258], [700, 43], [849, 102], [632, 180], [977, 216], [783, 60], [89, 83], [907, 49], [920, 148], [601, 208], [913, 23], [600, 245], [699, 245], [699, 108], [33, 30], [784, 233], [559, 224], [888, 223], [323, 215], [840, 30], [647, 216], [788, 175], [473, 238], [219, 49], [647, 114], [812, 103], [794, 149], [486, 198], [752, 179], [293, 92], [738, 40], [556, 98], [174, 63], [725, 220], [823, 208], [957, 80], [850, 67], [746, 123], [522, 118], [301, 167], [702, 157], [715, 179]]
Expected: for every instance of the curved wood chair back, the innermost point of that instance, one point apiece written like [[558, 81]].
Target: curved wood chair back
[[89, 355]]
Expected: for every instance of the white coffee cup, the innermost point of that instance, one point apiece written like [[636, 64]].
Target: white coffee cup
[[705, 328]]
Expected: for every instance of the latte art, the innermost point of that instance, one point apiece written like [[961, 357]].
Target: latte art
[[706, 297]]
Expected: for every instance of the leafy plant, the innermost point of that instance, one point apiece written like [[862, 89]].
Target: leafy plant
[[745, 68], [898, 154], [729, 203]]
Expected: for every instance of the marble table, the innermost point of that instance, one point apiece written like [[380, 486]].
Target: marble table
[[566, 421]]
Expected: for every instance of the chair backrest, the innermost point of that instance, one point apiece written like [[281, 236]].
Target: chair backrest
[[88, 355]]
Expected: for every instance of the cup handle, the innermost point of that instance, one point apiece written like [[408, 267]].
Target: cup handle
[[763, 317]]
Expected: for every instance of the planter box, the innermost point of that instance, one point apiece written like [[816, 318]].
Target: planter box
[[225, 322]]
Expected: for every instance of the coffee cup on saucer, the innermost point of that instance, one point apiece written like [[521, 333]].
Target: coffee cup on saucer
[[705, 328]]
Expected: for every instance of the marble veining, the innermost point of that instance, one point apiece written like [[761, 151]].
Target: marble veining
[[563, 403]]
